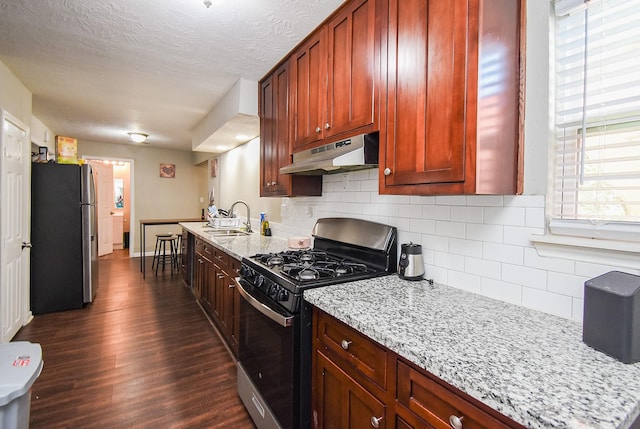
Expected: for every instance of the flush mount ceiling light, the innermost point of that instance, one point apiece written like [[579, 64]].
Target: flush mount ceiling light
[[207, 3], [138, 137]]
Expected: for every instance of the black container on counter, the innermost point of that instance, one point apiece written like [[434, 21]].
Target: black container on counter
[[611, 320]]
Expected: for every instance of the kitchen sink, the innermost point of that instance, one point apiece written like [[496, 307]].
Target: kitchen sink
[[225, 232]]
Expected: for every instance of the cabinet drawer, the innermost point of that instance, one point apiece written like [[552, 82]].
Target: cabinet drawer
[[220, 257], [363, 358], [435, 404], [207, 249], [198, 244]]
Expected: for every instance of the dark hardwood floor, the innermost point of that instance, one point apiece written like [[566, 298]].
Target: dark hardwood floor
[[142, 355]]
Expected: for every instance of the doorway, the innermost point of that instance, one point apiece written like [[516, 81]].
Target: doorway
[[118, 202]]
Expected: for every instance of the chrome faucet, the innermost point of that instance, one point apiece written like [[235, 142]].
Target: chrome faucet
[[248, 222]]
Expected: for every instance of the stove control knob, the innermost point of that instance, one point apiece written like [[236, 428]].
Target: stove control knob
[[283, 295], [260, 281]]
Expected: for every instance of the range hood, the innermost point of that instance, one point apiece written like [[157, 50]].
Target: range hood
[[355, 153]]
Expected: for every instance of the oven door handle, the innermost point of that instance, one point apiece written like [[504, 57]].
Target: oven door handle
[[271, 314]]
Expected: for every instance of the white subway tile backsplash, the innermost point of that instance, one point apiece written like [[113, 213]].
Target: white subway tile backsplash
[[547, 302], [519, 235], [435, 242], [451, 200], [577, 312], [485, 200], [467, 214], [514, 216], [503, 253], [532, 259], [566, 284], [422, 226], [534, 217], [436, 212], [464, 247], [591, 270], [524, 201], [478, 243], [448, 260], [529, 277], [483, 268], [465, 281], [410, 210], [491, 233], [450, 229], [503, 291]]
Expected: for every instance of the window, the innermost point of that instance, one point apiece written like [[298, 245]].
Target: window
[[597, 117]]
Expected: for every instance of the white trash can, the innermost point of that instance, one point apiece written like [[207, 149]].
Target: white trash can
[[20, 365]]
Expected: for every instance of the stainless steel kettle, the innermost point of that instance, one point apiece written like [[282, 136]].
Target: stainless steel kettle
[[411, 266]]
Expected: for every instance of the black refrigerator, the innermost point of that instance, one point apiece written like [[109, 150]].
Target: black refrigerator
[[64, 239]]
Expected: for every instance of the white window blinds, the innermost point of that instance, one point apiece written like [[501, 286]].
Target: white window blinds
[[597, 100]]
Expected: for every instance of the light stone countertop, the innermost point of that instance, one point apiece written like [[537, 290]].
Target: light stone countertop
[[530, 366], [237, 246]]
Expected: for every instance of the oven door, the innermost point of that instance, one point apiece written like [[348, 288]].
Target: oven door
[[269, 339]]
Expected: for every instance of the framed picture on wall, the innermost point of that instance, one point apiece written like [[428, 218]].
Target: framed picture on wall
[[167, 171]]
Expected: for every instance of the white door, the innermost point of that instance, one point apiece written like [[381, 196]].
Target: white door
[[15, 164], [104, 189]]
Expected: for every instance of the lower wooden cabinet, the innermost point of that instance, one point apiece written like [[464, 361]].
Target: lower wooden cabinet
[[340, 402], [358, 383], [214, 288]]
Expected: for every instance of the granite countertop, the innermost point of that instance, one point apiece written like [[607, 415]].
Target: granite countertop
[[237, 246], [530, 366]]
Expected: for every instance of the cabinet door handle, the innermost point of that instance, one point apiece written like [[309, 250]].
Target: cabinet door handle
[[345, 344], [455, 422], [327, 126], [274, 183], [375, 421], [387, 171], [318, 129], [220, 276]]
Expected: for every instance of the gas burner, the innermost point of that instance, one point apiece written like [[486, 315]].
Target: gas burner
[[308, 274], [307, 258], [275, 261]]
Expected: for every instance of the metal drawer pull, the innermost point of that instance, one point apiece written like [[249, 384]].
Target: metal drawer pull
[[387, 171], [345, 344], [375, 421], [318, 129], [456, 422]]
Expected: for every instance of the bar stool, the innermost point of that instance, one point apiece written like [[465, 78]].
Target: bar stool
[[160, 253], [178, 252]]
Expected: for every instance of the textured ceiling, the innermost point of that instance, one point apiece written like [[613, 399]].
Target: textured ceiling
[[98, 69]]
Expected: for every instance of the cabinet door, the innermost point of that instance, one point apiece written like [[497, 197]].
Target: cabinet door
[[198, 276], [274, 129], [275, 126], [425, 137], [351, 68], [309, 87], [340, 402]]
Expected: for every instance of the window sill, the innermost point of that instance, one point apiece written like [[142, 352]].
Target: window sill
[[607, 252]]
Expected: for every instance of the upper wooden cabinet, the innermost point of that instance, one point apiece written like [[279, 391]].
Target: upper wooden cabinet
[[334, 77], [274, 140], [453, 79]]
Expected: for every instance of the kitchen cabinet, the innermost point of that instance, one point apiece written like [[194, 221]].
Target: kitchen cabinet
[[274, 140], [359, 383], [214, 288], [334, 77], [452, 123]]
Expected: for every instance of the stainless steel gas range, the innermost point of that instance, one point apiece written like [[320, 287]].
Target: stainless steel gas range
[[274, 368]]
